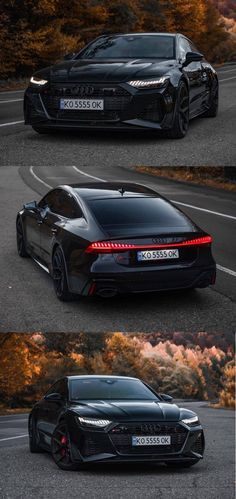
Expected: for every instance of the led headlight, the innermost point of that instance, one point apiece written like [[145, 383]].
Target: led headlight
[[194, 421], [158, 82], [38, 81], [100, 423]]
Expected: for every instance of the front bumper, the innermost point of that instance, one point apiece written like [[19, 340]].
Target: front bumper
[[115, 444], [124, 107]]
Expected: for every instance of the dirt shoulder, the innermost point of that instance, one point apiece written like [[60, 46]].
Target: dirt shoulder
[[211, 177]]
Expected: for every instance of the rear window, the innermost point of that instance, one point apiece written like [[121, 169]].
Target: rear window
[[138, 213]]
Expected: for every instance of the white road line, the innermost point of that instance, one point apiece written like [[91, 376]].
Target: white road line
[[13, 420], [39, 179], [227, 71], [12, 123], [204, 209], [87, 175], [12, 438], [227, 271], [7, 101], [11, 92], [227, 79]]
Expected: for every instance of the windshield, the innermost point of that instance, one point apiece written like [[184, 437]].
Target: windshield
[[131, 47], [109, 389], [127, 213]]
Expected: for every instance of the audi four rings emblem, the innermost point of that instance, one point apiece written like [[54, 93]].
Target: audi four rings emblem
[[83, 90]]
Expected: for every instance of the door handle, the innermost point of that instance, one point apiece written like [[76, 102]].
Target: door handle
[[54, 231], [39, 222]]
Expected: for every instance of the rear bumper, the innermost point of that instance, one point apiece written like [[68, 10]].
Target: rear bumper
[[144, 282]]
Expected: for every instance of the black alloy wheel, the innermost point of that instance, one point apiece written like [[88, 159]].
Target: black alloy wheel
[[59, 276], [20, 239], [61, 449], [181, 121], [33, 438]]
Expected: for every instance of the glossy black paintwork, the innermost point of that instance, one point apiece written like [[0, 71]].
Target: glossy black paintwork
[[47, 413], [199, 76], [45, 230]]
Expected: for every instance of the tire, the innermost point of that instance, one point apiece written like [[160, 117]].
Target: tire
[[59, 276], [20, 239], [61, 449], [181, 120], [186, 464], [213, 109], [33, 440]]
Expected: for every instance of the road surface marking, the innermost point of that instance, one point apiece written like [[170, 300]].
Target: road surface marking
[[39, 179], [204, 209], [12, 438], [12, 123], [87, 175], [227, 79], [7, 101], [13, 420], [227, 71], [11, 92], [227, 271]]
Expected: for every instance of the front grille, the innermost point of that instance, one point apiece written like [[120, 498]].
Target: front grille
[[121, 437], [116, 100], [96, 444], [199, 445], [153, 111]]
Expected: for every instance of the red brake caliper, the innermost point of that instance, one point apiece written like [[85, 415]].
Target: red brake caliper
[[64, 442]]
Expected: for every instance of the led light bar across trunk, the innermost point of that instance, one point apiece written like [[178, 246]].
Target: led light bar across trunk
[[112, 247]]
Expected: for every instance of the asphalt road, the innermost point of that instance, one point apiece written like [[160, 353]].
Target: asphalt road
[[27, 295], [25, 475], [210, 142]]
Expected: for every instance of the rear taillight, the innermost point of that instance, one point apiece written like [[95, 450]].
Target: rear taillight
[[110, 247]]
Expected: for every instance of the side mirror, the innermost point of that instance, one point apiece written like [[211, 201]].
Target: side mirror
[[68, 57], [166, 398], [192, 57], [32, 206], [54, 397]]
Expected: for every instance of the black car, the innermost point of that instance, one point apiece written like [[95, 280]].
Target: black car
[[108, 238], [129, 81], [87, 419]]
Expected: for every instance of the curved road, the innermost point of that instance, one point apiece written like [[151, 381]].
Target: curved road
[[27, 292], [209, 141], [25, 475]]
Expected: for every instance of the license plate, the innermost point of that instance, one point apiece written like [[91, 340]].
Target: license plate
[[158, 255], [152, 440], [82, 104]]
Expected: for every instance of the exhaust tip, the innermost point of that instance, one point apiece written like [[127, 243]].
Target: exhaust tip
[[107, 292]]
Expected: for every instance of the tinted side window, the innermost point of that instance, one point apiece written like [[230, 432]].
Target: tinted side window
[[61, 203], [59, 387]]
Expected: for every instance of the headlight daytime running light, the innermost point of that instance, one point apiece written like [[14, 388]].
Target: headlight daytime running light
[[194, 421], [158, 82], [100, 423], [38, 81]]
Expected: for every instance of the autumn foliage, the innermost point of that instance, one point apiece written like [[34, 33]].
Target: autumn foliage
[[30, 363], [35, 33]]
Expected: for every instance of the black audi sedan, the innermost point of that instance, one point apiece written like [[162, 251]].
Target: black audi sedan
[[110, 238], [87, 419], [141, 81]]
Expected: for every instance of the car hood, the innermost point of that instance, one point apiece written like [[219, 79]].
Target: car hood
[[95, 70], [130, 410]]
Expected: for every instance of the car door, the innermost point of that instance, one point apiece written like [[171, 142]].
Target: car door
[[194, 72], [61, 210], [32, 232], [51, 410], [48, 229]]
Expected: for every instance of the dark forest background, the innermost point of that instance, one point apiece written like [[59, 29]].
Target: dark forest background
[[36, 33]]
